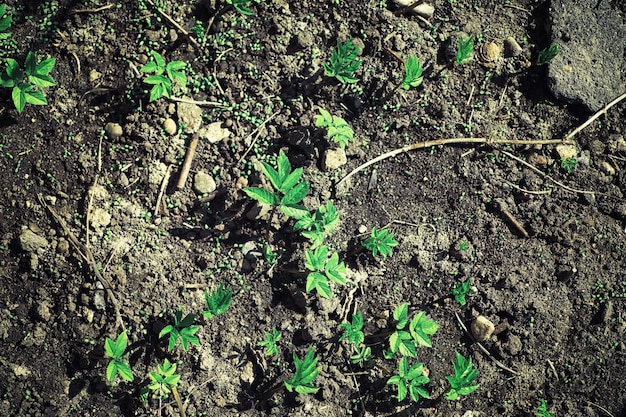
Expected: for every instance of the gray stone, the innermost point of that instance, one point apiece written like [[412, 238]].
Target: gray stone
[[190, 116], [214, 132], [203, 183], [588, 68], [482, 328], [30, 241], [113, 130], [333, 159]]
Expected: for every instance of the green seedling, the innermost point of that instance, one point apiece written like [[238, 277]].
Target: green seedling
[[463, 378], [406, 339], [163, 382], [353, 331], [338, 129], [412, 73], [568, 164], [343, 62], [268, 254], [182, 328], [410, 380], [542, 410], [115, 350], [465, 51], [24, 81], [218, 302], [164, 75], [380, 241], [240, 6], [461, 290], [546, 55], [316, 226], [362, 356], [289, 191], [5, 22], [463, 245], [323, 270], [271, 342], [305, 373]]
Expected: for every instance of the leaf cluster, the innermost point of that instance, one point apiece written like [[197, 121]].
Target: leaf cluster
[[164, 75], [412, 73], [542, 410], [568, 164], [271, 342], [461, 290], [546, 55], [316, 226], [162, 382], [240, 6], [464, 52], [218, 302], [181, 328], [24, 81], [343, 62], [115, 350], [353, 332], [338, 129], [5, 22], [324, 268], [380, 241], [406, 339], [410, 380], [306, 371], [463, 378]]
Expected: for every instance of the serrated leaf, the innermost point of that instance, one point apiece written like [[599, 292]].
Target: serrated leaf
[[272, 175], [125, 372], [284, 167], [111, 370], [290, 180], [400, 315], [299, 213], [262, 195], [296, 194], [420, 327], [319, 282], [35, 97], [41, 80], [323, 119], [45, 66], [149, 67]]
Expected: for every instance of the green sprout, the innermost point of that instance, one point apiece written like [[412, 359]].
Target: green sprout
[[410, 380], [115, 349], [163, 382], [24, 81], [343, 62], [353, 331], [464, 376], [546, 55], [380, 241], [461, 290], [5, 22], [306, 371], [412, 73], [268, 254], [406, 339], [568, 164], [362, 355], [271, 342], [183, 329], [240, 6], [164, 76], [465, 50], [289, 191], [316, 226], [338, 129], [323, 270], [542, 410], [218, 302]]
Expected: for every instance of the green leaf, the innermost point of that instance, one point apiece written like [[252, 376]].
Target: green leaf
[[19, 98], [463, 378], [315, 261], [41, 80], [420, 327], [262, 195], [297, 212], [150, 66], [319, 282], [353, 331], [115, 349], [111, 370], [30, 63], [35, 97], [306, 371], [272, 175], [218, 302], [335, 270], [125, 372], [45, 66], [296, 194], [284, 168], [401, 341], [343, 62], [323, 119], [289, 180], [465, 50], [380, 241], [401, 314], [412, 73], [460, 291], [546, 55]]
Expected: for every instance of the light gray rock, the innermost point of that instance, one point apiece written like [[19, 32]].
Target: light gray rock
[[113, 130], [189, 115], [30, 241], [482, 328], [203, 183], [333, 159], [588, 69]]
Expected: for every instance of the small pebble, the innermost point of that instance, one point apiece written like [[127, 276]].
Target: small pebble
[[169, 125], [511, 47], [113, 130], [482, 328]]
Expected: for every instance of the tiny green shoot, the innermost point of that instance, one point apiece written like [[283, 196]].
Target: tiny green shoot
[[542, 410], [162, 382], [463, 378], [271, 342], [182, 328], [305, 373], [412, 73], [218, 302], [568, 164], [353, 331], [338, 129], [362, 356], [115, 350], [546, 55], [465, 50], [410, 380], [5, 22], [240, 6], [24, 81], [380, 241], [323, 270], [268, 254], [343, 62], [316, 226], [461, 290], [163, 76], [406, 339]]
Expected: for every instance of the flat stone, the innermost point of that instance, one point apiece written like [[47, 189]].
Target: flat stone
[[30, 241], [214, 132], [203, 183], [333, 159], [482, 328], [190, 116], [588, 68]]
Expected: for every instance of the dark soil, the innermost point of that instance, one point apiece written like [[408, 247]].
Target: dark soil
[[546, 257]]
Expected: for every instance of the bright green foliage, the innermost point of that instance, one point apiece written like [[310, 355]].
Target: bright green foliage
[[271, 342], [289, 191], [464, 376], [162, 382], [5, 22], [380, 241], [323, 270], [316, 226], [362, 355], [218, 302], [421, 327], [343, 62], [353, 331], [542, 410], [465, 51], [240, 6], [268, 254], [410, 380], [461, 291], [338, 129], [164, 76], [183, 329], [546, 55], [412, 73], [568, 164], [24, 81], [406, 339], [115, 350], [306, 372]]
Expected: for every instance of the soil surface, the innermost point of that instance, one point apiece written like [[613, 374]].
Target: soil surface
[[90, 200]]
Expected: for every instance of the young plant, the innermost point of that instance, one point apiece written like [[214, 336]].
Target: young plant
[[542, 410], [464, 376], [323, 270], [362, 356], [568, 164], [412, 73], [306, 371], [183, 329], [218, 302], [410, 380], [380, 241], [271, 342], [461, 290], [5, 22], [163, 382], [268, 254], [289, 191], [115, 350], [316, 226], [24, 81], [353, 331], [546, 55], [343, 62], [465, 50], [338, 129], [163, 76], [240, 6], [406, 339]]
